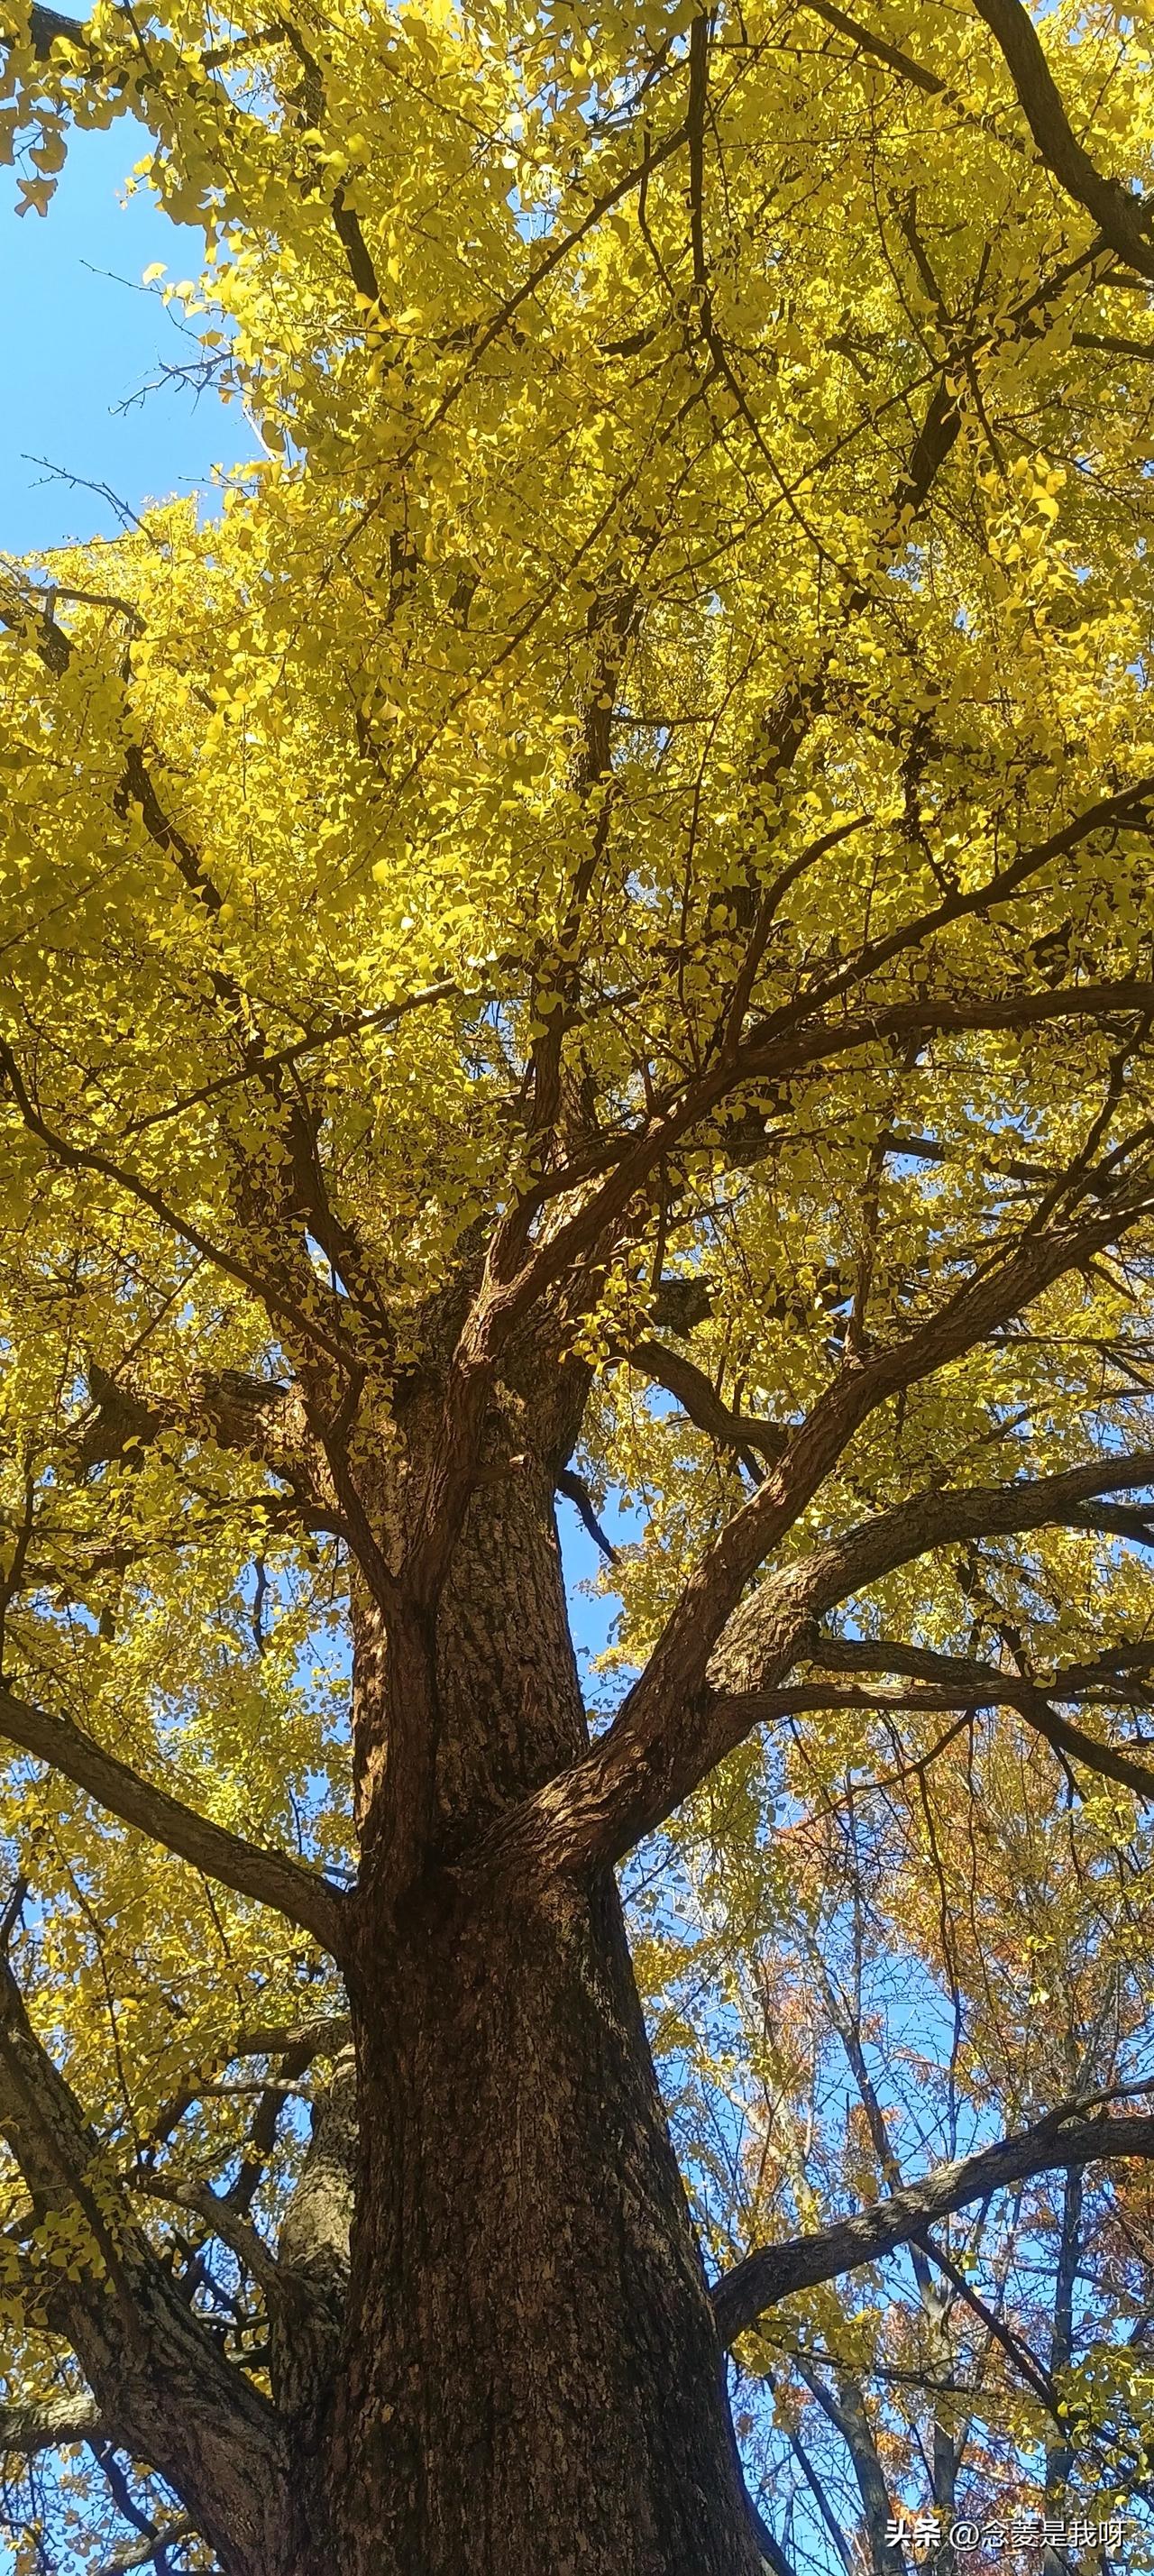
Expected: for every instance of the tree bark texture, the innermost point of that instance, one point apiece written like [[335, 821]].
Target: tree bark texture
[[531, 2378]]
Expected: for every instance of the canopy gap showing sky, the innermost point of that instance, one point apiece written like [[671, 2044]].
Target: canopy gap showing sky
[[80, 338]]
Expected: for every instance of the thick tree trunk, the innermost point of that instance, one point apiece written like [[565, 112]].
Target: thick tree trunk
[[531, 2383], [532, 2378]]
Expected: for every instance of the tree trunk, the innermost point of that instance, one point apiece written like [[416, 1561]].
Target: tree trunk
[[531, 2382], [532, 2377]]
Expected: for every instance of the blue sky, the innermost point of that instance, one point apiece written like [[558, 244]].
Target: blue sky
[[80, 337]]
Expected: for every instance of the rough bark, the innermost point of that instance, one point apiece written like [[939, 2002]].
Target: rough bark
[[531, 2377], [313, 2258], [514, 2364]]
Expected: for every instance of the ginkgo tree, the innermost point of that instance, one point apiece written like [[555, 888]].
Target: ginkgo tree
[[587, 932]]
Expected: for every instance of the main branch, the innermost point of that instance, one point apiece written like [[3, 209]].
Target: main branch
[[269, 1877], [1124, 220]]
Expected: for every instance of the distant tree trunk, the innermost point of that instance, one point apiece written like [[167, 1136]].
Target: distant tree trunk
[[531, 2383], [1060, 2454]]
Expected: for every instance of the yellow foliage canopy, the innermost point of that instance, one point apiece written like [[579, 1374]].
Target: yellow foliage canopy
[[650, 779]]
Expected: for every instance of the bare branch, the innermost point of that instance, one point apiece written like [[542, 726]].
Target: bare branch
[[264, 1420], [669, 1731], [163, 2389], [703, 1701], [681, 1377], [328, 2036], [782, 1047], [149, 2551], [47, 24], [237, 2232], [940, 1682], [520, 1270], [846, 1565], [576, 1491], [869, 42]]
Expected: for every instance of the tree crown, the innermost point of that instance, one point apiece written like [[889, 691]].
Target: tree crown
[[596, 908]]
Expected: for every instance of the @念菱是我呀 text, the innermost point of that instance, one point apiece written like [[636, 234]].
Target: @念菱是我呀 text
[[923, 2532]]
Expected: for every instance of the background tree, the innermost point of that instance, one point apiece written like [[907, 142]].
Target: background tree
[[589, 933]]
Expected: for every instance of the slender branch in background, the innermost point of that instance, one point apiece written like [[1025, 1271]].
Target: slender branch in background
[[576, 1491], [235, 2231]]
